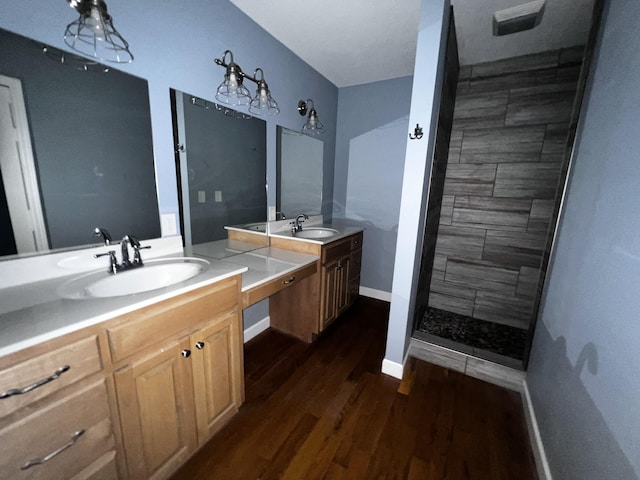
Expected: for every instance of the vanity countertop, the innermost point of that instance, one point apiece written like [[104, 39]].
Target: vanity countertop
[[343, 232], [34, 312]]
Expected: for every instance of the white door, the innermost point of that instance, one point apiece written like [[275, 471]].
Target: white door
[[18, 170]]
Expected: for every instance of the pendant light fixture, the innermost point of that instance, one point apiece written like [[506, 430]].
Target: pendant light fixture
[[94, 35], [232, 92], [313, 126]]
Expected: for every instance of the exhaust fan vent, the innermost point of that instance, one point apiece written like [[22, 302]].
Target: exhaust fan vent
[[518, 18]]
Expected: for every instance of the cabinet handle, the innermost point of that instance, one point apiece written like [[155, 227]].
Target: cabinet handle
[[40, 461], [287, 282], [199, 345], [186, 353], [39, 383], [339, 267]]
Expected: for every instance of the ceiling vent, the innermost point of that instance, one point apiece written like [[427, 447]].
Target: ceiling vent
[[518, 18]]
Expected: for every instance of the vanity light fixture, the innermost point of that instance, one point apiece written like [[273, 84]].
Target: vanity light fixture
[[94, 35], [313, 126], [232, 92]]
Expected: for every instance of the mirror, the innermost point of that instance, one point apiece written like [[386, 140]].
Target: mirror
[[222, 168], [76, 150], [299, 161]]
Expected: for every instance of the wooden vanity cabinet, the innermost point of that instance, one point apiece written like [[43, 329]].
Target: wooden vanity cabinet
[[306, 312], [56, 419], [178, 385]]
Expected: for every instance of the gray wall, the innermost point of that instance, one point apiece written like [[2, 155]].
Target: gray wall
[[583, 372], [509, 133], [372, 125]]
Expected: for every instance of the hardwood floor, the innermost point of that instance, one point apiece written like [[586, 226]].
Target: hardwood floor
[[324, 411]]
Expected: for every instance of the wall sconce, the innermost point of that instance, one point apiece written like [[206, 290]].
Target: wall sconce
[[94, 35], [313, 126], [232, 92]]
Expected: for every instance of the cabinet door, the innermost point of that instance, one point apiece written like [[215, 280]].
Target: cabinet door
[[155, 398], [329, 278], [217, 373], [342, 284]]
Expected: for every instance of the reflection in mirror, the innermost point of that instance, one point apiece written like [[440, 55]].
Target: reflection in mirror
[[222, 168], [76, 151], [299, 173]]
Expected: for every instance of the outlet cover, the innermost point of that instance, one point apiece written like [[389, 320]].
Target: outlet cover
[[202, 196], [169, 224], [218, 195]]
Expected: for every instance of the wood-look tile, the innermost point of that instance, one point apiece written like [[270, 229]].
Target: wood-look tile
[[446, 209], [526, 180], [451, 303], [513, 80], [498, 145], [522, 63], [483, 276], [528, 282], [439, 285], [480, 109], [470, 179], [540, 216], [489, 212], [504, 309], [465, 72], [488, 371], [454, 146], [541, 104], [514, 249], [440, 263], [571, 55], [569, 73], [555, 142], [438, 355], [460, 242]]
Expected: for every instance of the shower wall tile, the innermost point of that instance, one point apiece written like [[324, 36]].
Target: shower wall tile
[[541, 104], [501, 145], [526, 180], [527, 282], [508, 140], [470, 179], [503, 309], [536, 61]]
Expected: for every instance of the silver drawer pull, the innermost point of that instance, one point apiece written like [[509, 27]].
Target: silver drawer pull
[[287, 282], [40, 461], [39, 383]]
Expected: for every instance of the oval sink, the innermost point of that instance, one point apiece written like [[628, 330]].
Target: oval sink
[[317, 232], [256, 227], [153, 275]]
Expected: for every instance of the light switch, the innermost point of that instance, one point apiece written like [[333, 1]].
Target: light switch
[[202, 196], [218, 195]]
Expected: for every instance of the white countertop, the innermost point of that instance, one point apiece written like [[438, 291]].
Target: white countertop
[[342, 233]]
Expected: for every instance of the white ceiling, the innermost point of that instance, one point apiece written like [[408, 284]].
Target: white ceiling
[[352, 42]]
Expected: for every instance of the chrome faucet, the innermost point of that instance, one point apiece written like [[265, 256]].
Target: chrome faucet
[[101, 232], [114, 266], [296, 225]]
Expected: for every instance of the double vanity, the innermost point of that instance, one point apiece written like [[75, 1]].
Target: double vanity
[[99, 382]]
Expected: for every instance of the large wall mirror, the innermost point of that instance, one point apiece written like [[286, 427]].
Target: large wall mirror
[[222, 168], [299, 161], [76, 151]]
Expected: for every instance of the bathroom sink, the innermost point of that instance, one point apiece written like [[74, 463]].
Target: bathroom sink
[[153, 275], [256, 227], [316, 232]]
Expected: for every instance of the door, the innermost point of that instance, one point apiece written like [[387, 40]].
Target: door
[[18, 170]]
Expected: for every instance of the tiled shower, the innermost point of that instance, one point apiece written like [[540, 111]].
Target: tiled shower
[[504, 176]]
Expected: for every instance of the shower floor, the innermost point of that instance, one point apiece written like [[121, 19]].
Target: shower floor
[[492, 341]]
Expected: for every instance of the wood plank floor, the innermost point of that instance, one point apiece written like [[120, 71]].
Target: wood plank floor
[[324, 411]]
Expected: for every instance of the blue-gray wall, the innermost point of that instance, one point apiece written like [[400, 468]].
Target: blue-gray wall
[[371, 138], [584, 372]]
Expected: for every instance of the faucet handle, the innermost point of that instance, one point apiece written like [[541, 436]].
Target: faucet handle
[[101, 232], [135, 243], [113, 262]]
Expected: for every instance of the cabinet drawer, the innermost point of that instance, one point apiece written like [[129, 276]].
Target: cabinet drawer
[[336, 250], [54, 432], [356, 263], [47, 373], [150, 325], [261, 292]]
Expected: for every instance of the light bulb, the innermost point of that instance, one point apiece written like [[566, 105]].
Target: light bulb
[[95, 23]]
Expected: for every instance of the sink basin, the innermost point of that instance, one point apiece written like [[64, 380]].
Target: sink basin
[[256, 227], [153, 275], [317, 232]]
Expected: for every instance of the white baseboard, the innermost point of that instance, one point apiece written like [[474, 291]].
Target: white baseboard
[[256, 329], [542, 465], [377, 294], [393, 369]]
